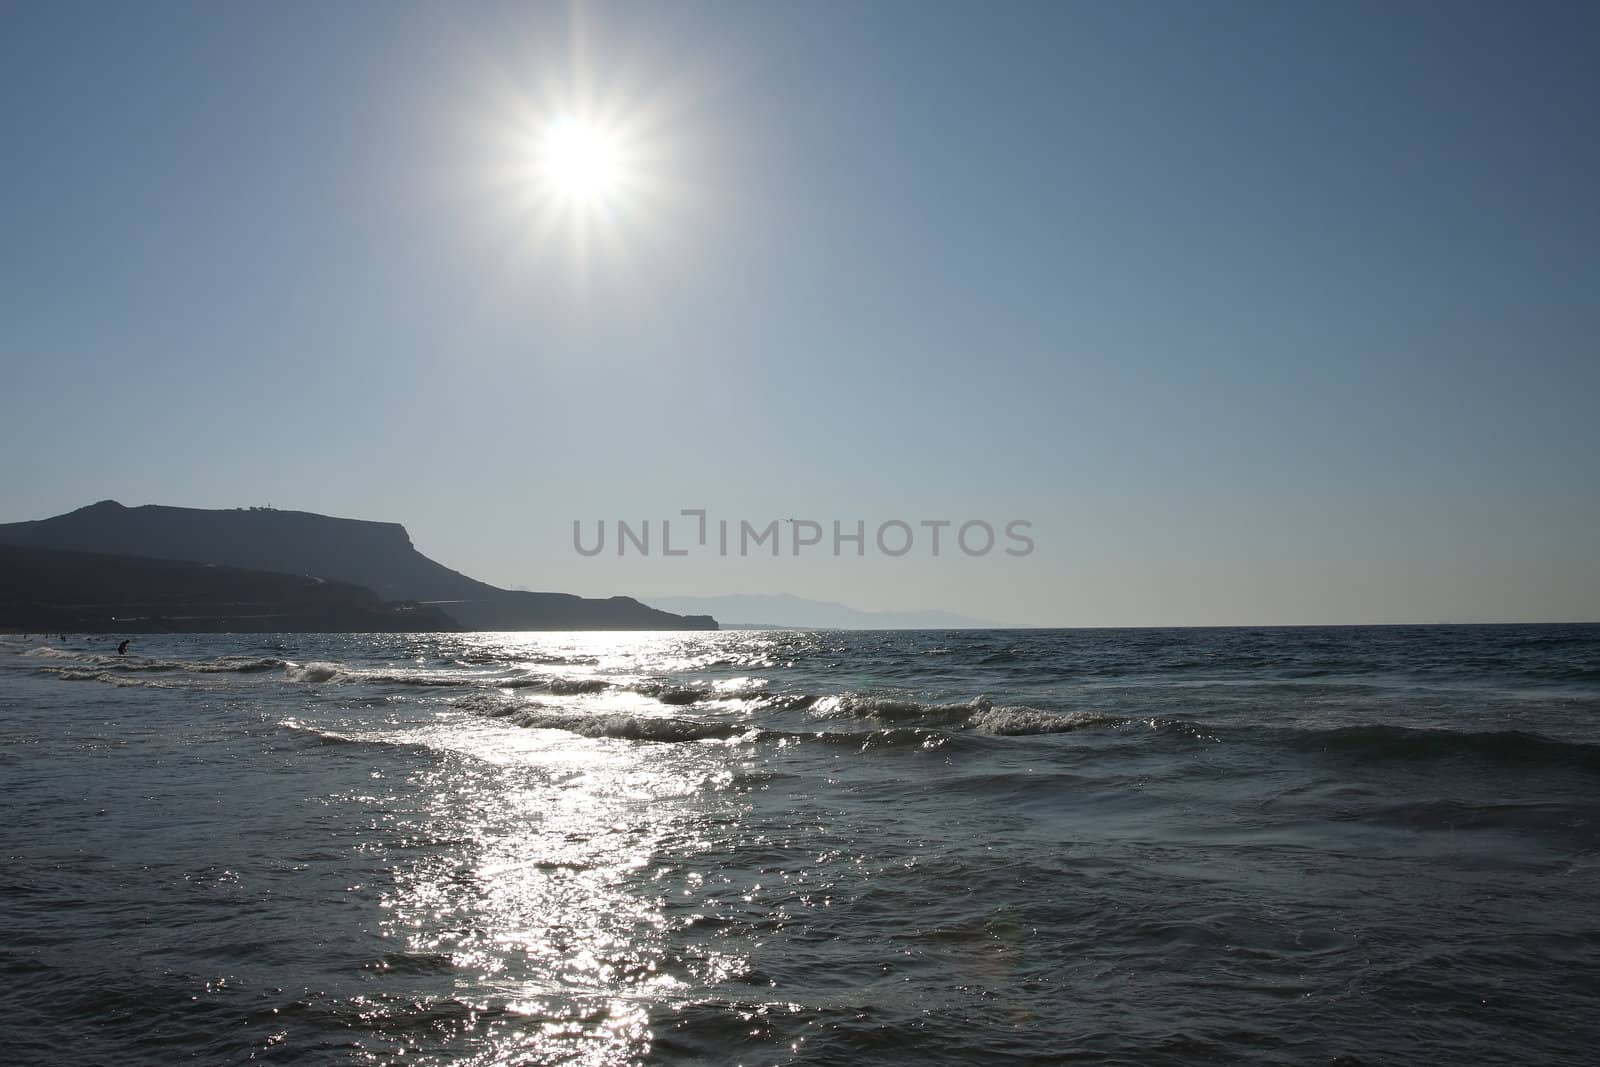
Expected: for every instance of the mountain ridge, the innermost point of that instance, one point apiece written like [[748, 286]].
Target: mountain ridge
[[377, 556]]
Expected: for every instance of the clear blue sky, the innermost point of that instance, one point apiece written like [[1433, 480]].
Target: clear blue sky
[[1260, 313]]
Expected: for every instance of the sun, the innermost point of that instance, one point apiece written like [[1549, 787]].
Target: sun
[[581, 174], [580, 161]]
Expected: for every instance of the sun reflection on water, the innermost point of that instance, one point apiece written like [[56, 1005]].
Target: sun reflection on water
[[552, 901]]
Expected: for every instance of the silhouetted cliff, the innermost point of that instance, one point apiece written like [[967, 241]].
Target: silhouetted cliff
[[44, 589], [376, 555]]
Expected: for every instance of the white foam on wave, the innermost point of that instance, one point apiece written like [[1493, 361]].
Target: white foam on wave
[[73, 674], [406, 678], [320, 672], [896, 710], [621, 725], [1019, 720], [916, 720], [324, 672], [311, 672], [980, 715], [218, 665], [49, 652], [548, 683], [627, 727]]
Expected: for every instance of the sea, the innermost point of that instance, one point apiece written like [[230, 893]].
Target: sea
[[1351, 845]]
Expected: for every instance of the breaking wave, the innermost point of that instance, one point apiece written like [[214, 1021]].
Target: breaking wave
[[322, 672], [216, 665], [891, 722], [76, 674], [311, 672], [980, 714], [533, 715], [334, 672]]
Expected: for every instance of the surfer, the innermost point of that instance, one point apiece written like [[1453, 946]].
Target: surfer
[[122, 649]]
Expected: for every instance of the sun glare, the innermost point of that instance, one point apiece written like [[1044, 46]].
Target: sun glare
[[583, 174], [580, 162]]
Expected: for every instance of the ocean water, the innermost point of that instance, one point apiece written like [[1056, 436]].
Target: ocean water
[[1340, 845]]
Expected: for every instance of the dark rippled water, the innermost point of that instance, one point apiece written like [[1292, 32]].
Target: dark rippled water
[[1192, 846]]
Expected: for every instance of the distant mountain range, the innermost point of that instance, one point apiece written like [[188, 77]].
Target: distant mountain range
[[783, 610], [375, 556]]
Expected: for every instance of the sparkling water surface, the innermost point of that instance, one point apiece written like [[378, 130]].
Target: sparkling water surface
[[1308, 845]]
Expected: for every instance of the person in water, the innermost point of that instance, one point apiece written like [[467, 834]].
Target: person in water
[[122, 649]]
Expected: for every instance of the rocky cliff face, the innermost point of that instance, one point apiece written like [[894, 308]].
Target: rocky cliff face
[[376, 555]]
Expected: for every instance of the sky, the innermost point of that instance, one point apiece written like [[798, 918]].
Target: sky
[[1254, 313]]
